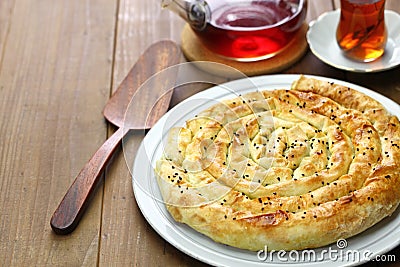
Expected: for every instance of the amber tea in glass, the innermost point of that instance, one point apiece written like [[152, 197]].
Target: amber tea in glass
[[362, 33]]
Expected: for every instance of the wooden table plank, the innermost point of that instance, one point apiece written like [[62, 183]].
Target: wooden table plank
[[54, 81], [6, 12], [393, 5], [317, 7], [124, 230]]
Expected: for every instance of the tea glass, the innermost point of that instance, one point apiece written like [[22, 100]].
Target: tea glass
[[361, 33]]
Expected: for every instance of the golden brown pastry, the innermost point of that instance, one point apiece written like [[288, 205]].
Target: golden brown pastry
[[286, 169]]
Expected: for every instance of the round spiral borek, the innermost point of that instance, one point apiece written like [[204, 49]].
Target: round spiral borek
[[277, 157]]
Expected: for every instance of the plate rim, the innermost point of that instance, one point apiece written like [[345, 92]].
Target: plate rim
[[223, 260], [389, 14]]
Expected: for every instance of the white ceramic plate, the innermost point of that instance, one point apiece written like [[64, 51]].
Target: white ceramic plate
[[322, 41], [377, 240]]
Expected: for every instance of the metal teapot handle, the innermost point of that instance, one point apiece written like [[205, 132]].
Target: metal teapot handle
[[197, 12]]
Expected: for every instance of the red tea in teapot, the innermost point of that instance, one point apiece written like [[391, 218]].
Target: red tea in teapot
[[252, 30]]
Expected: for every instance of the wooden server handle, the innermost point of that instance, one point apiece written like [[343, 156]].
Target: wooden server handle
[[66, 217]]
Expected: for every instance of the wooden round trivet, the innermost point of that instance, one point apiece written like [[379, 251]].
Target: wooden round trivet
[[194, 50]]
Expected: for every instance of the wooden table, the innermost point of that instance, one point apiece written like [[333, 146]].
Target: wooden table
[[59, 63]]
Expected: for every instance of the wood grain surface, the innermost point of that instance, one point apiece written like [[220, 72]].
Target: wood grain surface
[[148, 100], [59, 63], [55, 77]]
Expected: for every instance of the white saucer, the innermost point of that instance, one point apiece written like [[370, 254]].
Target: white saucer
[[322, 41]]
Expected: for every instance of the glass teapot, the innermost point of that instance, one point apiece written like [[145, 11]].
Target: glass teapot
[[242, 30]]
